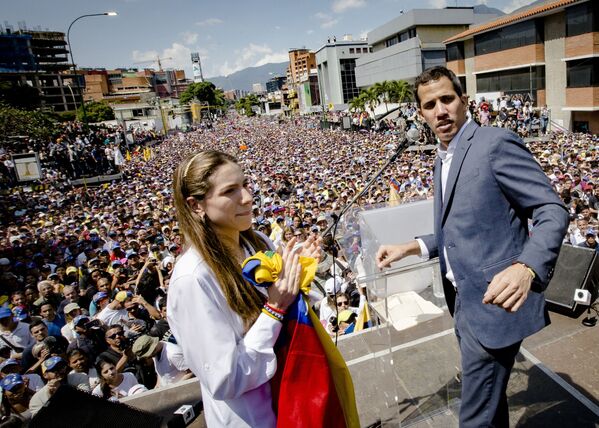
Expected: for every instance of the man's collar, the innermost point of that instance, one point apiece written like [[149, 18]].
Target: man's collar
[[453, 143]]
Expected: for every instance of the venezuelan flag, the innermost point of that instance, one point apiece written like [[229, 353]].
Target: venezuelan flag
[[312, 386]]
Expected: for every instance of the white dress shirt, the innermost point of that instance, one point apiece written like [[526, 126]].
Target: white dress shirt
[[233, 366], [446, 157]]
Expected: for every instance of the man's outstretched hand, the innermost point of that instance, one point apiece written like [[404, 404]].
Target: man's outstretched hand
[[388, 254]]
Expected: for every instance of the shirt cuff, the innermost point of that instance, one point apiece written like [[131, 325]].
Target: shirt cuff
[[424, 254]]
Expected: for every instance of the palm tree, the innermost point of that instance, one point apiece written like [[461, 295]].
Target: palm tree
[[383, 91], [371, 98], [401, 91], [357, 104]]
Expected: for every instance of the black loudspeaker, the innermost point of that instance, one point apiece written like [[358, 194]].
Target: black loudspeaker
[[69, 407], [576, 267]]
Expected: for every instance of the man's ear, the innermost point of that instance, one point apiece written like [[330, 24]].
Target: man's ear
[[465, 100]]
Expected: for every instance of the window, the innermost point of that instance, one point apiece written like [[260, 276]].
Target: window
[[392, 41], [455, 51], [583, 73], [348, 79], [351, 50], [582, 18], [522, 80], [514, 36], [432, 58]]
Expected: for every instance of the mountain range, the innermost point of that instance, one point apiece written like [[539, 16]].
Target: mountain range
[[244, 79]]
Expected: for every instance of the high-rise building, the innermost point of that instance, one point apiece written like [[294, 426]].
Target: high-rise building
[[39, 59], [301, 61], [302, 80], [257, 88]]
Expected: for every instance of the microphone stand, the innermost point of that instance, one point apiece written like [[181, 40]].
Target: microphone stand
[[401, 147]]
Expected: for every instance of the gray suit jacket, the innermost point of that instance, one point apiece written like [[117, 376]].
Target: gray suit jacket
[[494, 187]]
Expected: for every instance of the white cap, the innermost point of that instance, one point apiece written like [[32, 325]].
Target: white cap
[[333, 285], [4, 262]]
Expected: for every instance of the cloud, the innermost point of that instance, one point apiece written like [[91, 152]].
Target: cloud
[[209, 22], [326, 21], [179, 54], [485, 2], [309, 31], [190, 38], [515, 4], [143, 56], [253, 55], [277, 27], [437, 4], [340, 6]]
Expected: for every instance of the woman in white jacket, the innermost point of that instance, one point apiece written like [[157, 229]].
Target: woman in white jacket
[[226, 327]]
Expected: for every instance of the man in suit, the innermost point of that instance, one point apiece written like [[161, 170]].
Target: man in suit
[[494, 269]]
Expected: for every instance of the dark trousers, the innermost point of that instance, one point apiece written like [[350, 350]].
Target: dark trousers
[[485, 374]]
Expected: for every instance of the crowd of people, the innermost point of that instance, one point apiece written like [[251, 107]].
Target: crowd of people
[[75, 152], [515, 112], [85, 271]]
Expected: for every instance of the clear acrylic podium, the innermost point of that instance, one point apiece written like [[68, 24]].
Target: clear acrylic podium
[[405, 367]]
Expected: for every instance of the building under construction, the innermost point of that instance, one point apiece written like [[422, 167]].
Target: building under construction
[[40, 59]]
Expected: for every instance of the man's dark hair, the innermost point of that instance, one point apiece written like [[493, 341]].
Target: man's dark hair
[[35, 323], [47, 302], [112, 327], [435, 73]]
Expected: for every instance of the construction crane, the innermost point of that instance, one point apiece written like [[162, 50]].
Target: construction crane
[[157, 60]]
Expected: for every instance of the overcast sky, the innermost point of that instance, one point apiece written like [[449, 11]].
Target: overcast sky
[[228, 34]]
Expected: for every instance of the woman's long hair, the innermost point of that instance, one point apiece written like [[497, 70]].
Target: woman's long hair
[[192, 179], [105, 388]]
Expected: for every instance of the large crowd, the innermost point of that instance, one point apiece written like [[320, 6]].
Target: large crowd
[[84, 271]]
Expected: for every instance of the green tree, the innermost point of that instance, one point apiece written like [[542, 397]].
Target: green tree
[[383, 90], [358, 103], [34, 124], [400, 92], [204, 92], [244, 104], [95, 111], [371, 99]]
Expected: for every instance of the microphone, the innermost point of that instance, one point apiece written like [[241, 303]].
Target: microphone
[[412, 136]]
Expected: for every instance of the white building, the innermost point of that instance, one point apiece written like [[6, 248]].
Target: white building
[[257, 88], [412, 42], [336, 62]]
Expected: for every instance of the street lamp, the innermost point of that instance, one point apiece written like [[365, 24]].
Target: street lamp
[[71, 53]]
